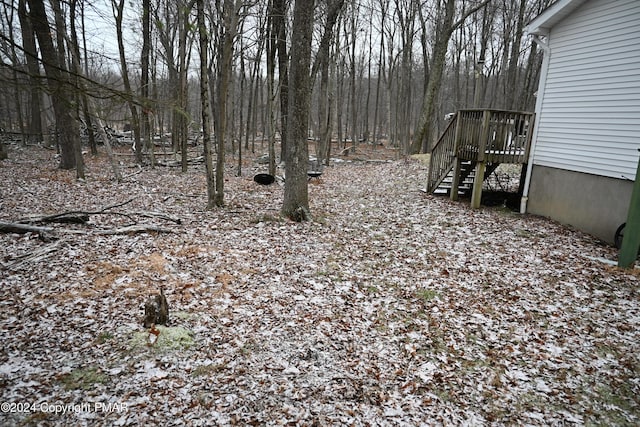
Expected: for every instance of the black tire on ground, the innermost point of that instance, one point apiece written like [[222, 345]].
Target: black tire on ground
[[617, 238], [264, 179]]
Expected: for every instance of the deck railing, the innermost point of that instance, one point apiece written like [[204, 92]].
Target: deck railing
[[492, 136]]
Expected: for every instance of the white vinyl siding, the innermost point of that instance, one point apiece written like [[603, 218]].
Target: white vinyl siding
[[589, 119]]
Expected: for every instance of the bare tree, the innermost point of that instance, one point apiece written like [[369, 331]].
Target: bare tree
[[296, 195], [88, 104], [9, 16], [225, 67], [272, 47], [184, 48], [59, 87], [145, 128], [406, 13], [204, 99], [173, 25], [322, 62], [279, 29], [422, 138], [118, 14], [33, 70]]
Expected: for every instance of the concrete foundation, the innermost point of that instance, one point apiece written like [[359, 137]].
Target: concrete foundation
[[594, 204]]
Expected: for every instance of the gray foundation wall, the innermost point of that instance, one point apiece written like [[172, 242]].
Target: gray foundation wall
[[594, 204]]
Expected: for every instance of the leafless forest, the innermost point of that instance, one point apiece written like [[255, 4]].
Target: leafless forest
[[131, 135], [381, 71]]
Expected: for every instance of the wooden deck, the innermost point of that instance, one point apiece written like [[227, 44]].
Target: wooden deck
[[481, 137]]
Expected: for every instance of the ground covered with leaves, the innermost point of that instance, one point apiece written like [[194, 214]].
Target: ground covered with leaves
[[391, 307]]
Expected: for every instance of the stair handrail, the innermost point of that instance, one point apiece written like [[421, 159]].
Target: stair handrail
[[481, 135], [442, 154]]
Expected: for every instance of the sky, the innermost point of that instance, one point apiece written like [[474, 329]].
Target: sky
[[101, 35]]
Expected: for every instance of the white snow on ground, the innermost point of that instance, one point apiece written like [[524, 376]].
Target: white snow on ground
[[391, 308]]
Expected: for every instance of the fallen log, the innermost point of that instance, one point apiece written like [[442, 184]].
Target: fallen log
[[46, 234], [61, 218], [82, 217], [16, 227]]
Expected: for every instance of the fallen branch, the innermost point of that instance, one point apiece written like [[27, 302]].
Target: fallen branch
[[45, 233], [61, 218], [347, 150], [139, 171], [159, 215], [76, 217], [33, 257], [134, 229], [178, 163]]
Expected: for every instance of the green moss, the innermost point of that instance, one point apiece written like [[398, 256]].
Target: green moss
[[83, 379], [104, 337], [613, 403], [426, 294], [182, 315], [169, 338], [523, 233]]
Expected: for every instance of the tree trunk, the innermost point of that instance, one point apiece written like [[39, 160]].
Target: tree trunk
[[93, 145], [243, 80], [422, 139], [322, 61], [512, 71], [77, 71], [9, 15], [204, 100], [324, 117], [181, 111], [352, 95], [61, 33], [60, 88], [145, 128], [224, 79], [380, 73], [280, 32], [253, 95], [296, 197], [339, 71], [118, 13], [272, 44], [29, 46]]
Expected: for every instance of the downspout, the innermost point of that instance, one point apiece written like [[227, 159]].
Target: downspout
[[534, 138]]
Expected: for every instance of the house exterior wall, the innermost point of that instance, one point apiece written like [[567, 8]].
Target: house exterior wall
[[589, 117], [585, 149], [594, 204]]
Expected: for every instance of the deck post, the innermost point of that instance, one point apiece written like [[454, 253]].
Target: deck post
[[455, 182], [476, 194]]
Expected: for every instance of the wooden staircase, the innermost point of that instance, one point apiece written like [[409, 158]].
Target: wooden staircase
[[465, 180], [473, 145]]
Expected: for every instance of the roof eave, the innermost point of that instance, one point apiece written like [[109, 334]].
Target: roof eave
[[542, 24]]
